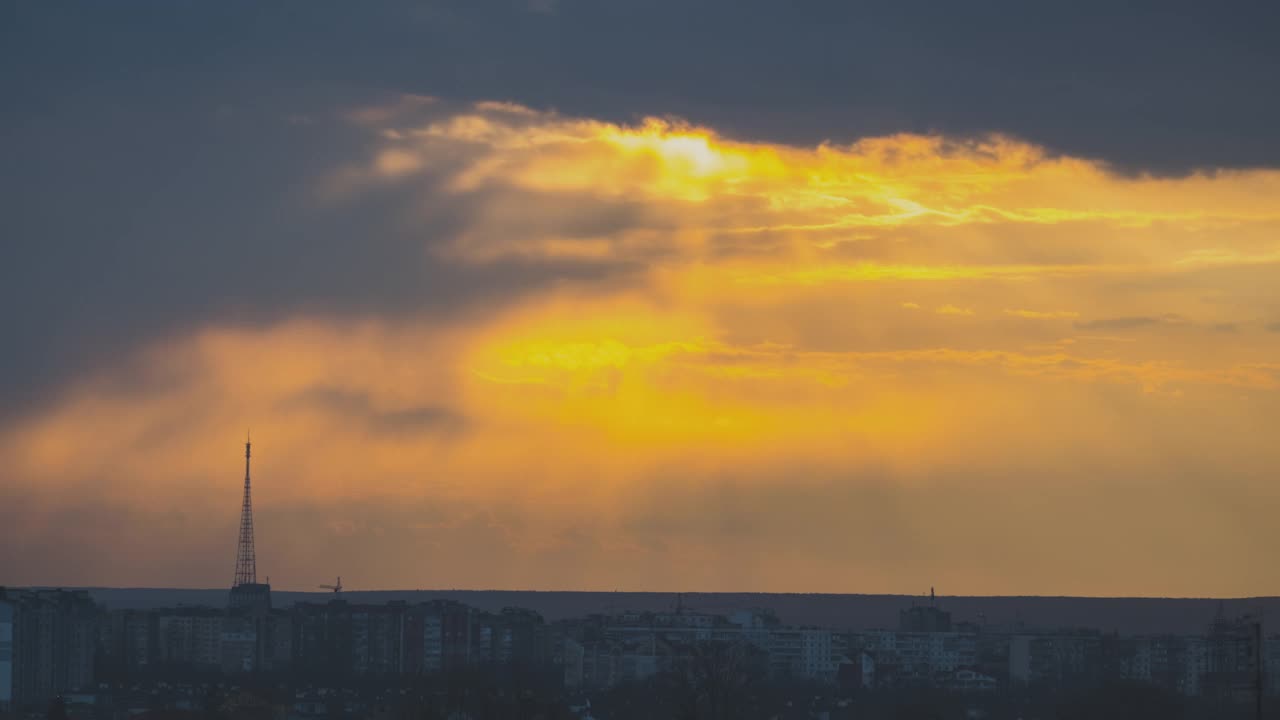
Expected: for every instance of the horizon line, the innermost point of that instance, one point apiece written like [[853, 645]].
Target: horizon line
[[666, 592]]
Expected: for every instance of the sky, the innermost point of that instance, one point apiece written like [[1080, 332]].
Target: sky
[[567, 294]]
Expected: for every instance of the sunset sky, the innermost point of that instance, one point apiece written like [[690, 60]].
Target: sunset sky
[[575, 294]]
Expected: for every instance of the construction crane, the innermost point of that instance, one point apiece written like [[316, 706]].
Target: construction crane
[[337, 588]]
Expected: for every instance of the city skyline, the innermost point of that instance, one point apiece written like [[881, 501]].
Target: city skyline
[[562, 295], [101, 657]]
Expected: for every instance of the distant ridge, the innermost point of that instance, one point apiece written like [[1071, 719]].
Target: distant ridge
[[1129, 616]]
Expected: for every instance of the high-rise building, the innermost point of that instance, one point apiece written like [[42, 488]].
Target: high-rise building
[[1233, 658], [925, 618], [47, 644], [7, 612], [190, 637], [129, 641]]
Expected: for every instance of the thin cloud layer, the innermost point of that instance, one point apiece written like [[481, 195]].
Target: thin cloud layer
[[567, 352]]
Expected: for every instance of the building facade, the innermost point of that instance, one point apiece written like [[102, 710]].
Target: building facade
[[51, 646]]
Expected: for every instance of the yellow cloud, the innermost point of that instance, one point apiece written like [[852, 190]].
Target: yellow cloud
[[724, 314], [1042, 314]]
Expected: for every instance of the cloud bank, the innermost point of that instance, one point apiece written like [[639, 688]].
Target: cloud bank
[[486, 345]]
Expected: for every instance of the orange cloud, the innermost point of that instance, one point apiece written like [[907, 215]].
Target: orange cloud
[[1042, 314], [755, 364]]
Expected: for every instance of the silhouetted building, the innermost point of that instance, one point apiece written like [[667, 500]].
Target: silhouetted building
[[1175, 663], [924, 618], [457, 628], [190, 637], [440, 635], [48, 638], [8, 613], [1051, 661], [240, 644], [1271, 664], [918, 659], [278, 643], [254, 598], [322, 638], [802, 653], [377, 639], [130, 641], [1233, 657], [857, 675], [515, 636], [52, 637]]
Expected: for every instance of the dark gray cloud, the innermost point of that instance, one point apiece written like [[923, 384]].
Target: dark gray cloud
[[1164, 86], [156, 152], [131, 218]]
